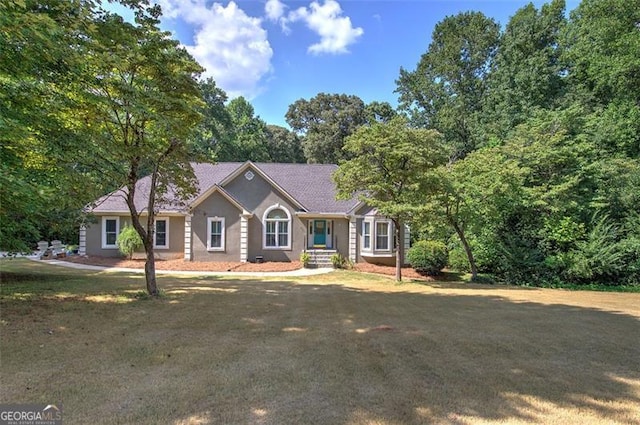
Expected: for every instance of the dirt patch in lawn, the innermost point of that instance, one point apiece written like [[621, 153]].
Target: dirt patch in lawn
[[407, 272], [182, 265]]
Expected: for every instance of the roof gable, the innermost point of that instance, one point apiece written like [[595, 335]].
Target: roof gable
[[250, 166]]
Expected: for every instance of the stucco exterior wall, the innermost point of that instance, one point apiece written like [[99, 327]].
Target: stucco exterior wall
[[341, 232], [216, 205], [257, 195], [176, 239]]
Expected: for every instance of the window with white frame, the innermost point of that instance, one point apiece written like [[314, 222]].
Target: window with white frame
[[110, 231], [161, 233], [215, 234], [383, 236], [277, 228], [366, 235]]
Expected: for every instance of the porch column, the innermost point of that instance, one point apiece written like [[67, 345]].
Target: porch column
[[407, 242], [353, 239], [244, 237], [82, 244], [187, 237]]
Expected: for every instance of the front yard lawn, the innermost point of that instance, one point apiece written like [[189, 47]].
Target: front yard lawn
[[343, 348]]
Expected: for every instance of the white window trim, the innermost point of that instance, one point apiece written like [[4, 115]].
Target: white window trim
[[389, 236], [104, 231], [223, 231], [264, 228], [166, 245], [370, 223]]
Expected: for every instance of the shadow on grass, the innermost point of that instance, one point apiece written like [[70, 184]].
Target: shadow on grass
[[278, 352]]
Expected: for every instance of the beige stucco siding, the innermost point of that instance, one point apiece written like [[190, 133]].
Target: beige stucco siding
[[176, 238], [216, 205], [341, 236], [257, 195]]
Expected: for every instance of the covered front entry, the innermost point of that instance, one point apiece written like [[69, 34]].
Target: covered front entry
[[320, 233]]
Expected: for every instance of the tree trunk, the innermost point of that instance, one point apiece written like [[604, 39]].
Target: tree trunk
[[467, 250], [150, 272], [399, 249]]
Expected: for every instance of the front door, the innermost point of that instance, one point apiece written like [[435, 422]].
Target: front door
[[319, 233]]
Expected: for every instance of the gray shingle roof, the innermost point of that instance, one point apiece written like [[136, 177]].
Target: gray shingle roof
[[310, 184]]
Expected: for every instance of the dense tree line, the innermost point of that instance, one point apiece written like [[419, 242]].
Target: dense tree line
[[542, 125]]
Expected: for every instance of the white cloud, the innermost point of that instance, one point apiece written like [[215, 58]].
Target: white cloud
[[325, 19], [232, 46], [274, 9]]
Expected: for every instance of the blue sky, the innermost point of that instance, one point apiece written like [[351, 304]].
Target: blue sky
[[274, 52]]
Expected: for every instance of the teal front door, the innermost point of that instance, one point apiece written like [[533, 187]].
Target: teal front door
[[319, 232]]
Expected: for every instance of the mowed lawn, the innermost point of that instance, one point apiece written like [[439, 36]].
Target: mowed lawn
[[343, 348]]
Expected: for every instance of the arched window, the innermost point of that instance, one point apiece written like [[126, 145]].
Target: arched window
[[277, 228]]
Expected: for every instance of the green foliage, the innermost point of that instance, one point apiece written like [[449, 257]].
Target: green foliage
[[527, 72], [338, 261], [325, 121], [428, 257], [44, 180], [392, 166], [598, 257], [447, 89], [601, 50], [305, 258], [128, 241], [283, 145]]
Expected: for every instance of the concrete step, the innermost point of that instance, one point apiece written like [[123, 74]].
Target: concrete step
[[321, 257]]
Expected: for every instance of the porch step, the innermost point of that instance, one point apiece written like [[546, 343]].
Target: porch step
[[321, 257]]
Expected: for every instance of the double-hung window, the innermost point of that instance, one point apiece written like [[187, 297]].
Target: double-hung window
[[110, 231], [161, 233], [366, 235], [215, 232], [277, 228], [383, 236]]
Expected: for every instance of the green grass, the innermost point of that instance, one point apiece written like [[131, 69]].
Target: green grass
[[342, 348]]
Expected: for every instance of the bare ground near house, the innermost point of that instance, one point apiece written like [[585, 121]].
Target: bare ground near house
[[341, 348]]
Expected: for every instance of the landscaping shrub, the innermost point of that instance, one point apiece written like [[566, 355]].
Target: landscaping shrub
[[305, 258], [428, 257], [338, 261], [128, 241]]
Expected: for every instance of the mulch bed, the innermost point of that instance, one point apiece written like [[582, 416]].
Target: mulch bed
[[181, 265]]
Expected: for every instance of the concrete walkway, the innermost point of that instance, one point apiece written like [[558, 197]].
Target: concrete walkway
[[292, 273]]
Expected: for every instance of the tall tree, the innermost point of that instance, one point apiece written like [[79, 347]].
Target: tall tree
[[141, 105], [325, 121], [211, 135], [283, 145], [379, 112], [473, 195], [447, 89], [391, 163], [248, 133], [42, 186], [601, 49], [527, 70]]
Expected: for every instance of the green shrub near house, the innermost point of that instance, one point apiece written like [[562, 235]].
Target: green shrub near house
[[128, 241], [428, 257]]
